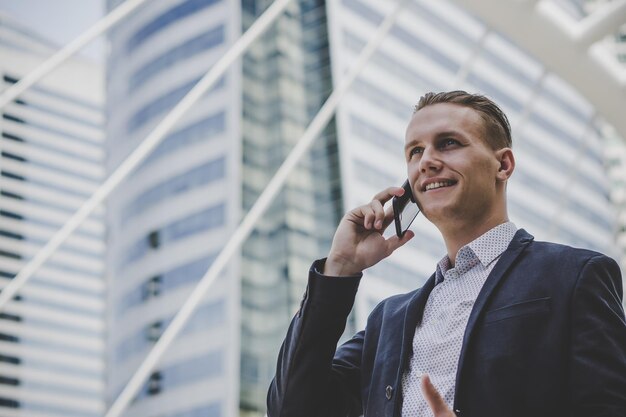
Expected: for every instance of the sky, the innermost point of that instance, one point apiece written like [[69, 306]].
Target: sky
[[60, 21]]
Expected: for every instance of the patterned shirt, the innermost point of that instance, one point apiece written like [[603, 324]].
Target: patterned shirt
[[439, 337]]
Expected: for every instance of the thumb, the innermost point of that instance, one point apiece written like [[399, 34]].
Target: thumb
[[394, 242]]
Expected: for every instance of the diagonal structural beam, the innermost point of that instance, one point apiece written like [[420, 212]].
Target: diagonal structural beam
[[143, 150], [314, 129], [604, 21], [49, 65], [521, 21]]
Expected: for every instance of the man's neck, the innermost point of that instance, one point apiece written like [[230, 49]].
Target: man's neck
[[457, 236]]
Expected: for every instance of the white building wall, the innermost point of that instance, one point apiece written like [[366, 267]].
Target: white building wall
[[52, 339], [169, 220]]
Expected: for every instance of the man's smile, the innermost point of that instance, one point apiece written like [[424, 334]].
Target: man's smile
[[435, 184]]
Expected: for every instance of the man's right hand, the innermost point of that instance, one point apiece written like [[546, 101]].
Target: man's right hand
[[359, 242]]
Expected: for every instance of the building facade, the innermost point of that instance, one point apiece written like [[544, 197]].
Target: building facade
[[173, 214], [207, 174], [52, 336], [286, 79]]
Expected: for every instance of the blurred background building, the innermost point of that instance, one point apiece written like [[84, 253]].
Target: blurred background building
[[52, 349], [169, 219]]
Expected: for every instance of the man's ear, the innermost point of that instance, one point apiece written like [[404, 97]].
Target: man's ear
[[507, 163]]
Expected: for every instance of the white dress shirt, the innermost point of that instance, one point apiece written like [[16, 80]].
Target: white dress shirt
[[439, 337]]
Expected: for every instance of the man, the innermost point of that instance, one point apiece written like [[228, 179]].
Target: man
[[505, 327]]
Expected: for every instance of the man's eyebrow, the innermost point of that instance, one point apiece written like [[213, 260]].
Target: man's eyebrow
[[411, 143], [438, 135], [448, 133]]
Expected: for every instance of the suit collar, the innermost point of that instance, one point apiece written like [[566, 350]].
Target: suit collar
[[516, 247]]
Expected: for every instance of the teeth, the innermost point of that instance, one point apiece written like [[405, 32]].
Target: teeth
[[435, 185]]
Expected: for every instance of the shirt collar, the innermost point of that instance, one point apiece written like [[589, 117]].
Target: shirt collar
[[484, 249]]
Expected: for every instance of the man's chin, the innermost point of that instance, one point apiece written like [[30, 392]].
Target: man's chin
[[439, 214]]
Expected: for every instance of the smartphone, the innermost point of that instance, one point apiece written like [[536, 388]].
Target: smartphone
[[405, 210]]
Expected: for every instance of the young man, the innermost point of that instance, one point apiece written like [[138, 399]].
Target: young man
[[505, 327]]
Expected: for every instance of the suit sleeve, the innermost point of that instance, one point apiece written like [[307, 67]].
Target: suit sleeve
[[314, 378], [598, 360]]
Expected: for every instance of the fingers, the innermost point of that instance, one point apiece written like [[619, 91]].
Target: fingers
[[394, 242], [374, 213], [434, 399], [387, 194]]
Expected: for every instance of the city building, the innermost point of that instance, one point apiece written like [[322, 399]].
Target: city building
[[52, 336], [173, 214], [171, 217], [286, 79], [168, 221], [615, 153]]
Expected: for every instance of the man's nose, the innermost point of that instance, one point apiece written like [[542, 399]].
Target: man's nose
[[430, 160]]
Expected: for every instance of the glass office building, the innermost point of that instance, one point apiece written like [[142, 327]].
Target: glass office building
[[168, 221], [286, 78], [52, 336]]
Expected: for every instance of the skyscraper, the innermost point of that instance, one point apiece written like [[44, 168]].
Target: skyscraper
[[174, 214], [52, 335], [229, 146], [286, 79], [170, 218]]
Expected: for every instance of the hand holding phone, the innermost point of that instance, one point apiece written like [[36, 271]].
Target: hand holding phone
[[405, 210]]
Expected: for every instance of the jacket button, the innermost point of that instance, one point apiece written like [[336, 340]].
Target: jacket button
[[388, 391]]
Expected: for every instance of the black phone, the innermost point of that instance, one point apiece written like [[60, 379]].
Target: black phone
[[405, 210]]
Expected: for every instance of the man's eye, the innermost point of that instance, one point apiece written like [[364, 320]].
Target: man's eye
[[449, 142], [416, 150]]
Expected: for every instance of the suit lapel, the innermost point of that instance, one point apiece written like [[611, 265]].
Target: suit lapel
[[516, 247], [412, 318]]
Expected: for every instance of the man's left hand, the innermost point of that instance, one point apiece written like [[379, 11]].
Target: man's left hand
[[434, 400]]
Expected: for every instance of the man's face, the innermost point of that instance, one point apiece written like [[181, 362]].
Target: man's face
[[452, 170]]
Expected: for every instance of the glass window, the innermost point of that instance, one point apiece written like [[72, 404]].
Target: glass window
[[165, 103], [368, 174], [381, 99], [95, 180], [48, 128], [46, 184], [376, 136], [165, 19], [169, 280], [206, 317], [204, 220], [49, 148], [205, 129], [192, 179], [54, 112], [188, 49], [392, 65]]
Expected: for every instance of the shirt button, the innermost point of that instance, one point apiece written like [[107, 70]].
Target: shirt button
[[388, 391]]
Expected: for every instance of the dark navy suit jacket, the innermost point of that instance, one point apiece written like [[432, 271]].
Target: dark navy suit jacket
[[546, 337]]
